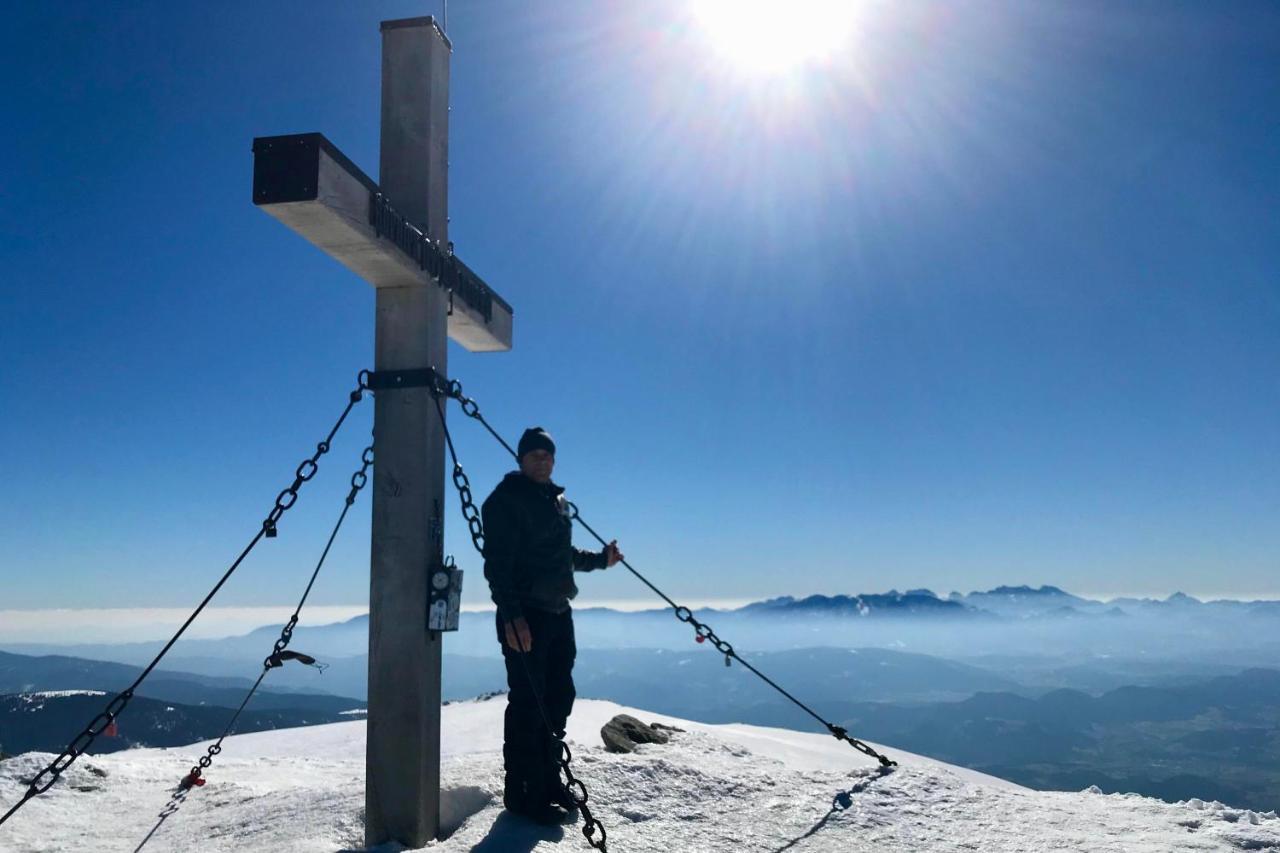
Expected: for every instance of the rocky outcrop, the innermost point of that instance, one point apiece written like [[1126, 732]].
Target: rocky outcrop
[[624, 733]]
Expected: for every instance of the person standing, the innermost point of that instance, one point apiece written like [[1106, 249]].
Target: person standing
[[529, 561]]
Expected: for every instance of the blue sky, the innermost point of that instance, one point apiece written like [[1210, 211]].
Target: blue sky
[[992, 296]]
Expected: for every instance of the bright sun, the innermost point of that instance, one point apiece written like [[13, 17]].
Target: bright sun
[[772, 37]]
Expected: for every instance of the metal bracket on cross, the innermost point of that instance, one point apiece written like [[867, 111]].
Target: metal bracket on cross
[[423, 377]]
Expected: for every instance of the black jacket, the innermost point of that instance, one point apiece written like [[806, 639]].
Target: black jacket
[[529, 558]]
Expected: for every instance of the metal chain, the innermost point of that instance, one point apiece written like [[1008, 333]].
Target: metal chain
[[592, 829], [702, 631], [273, 660], [45, 779], [195, 777], [578, 793], [472, 410], [573, 786], [469, 510]]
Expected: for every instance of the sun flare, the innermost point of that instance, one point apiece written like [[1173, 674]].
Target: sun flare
[[772, 37]]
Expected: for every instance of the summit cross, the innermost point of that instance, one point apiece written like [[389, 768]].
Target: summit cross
[[394, 234]]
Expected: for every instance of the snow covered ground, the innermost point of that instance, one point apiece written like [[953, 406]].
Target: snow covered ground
[[713, 788]]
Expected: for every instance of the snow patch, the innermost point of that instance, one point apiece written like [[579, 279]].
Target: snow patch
[[59, 694], [458, 804]]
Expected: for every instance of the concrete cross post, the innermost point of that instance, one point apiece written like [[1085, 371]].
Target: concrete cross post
[[395, 236], [402, 786]]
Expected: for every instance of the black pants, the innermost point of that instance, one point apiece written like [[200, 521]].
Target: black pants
[[529, 753]]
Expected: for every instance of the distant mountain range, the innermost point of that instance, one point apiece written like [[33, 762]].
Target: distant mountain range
[[1044, 637], [1019, 602], [774, 621], [24, 673], [47, 721], [913, 602], [45, 700]]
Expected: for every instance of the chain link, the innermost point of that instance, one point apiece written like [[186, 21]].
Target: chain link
[[472, 410], [469, 510], [578, 793], [45, 779]]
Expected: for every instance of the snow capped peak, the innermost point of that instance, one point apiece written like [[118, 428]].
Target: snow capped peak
[[1024, 590], [712, 788], [892, 602]]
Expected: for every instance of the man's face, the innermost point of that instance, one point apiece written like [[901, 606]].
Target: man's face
[[537, 465]]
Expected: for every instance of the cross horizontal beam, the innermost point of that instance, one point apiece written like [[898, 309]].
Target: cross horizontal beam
[[304, 181]]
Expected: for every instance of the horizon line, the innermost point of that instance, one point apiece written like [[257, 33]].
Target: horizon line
[[145, 624]]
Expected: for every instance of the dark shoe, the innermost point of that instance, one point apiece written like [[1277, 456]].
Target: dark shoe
[[543, 814], [560, 797]]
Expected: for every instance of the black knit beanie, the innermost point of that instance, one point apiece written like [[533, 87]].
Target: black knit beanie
[[535, 438]]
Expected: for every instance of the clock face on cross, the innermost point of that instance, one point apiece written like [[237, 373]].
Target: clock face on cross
[[440, 580]]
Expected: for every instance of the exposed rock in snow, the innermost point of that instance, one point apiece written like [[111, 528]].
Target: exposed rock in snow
[[712, 788], [624, 733]]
